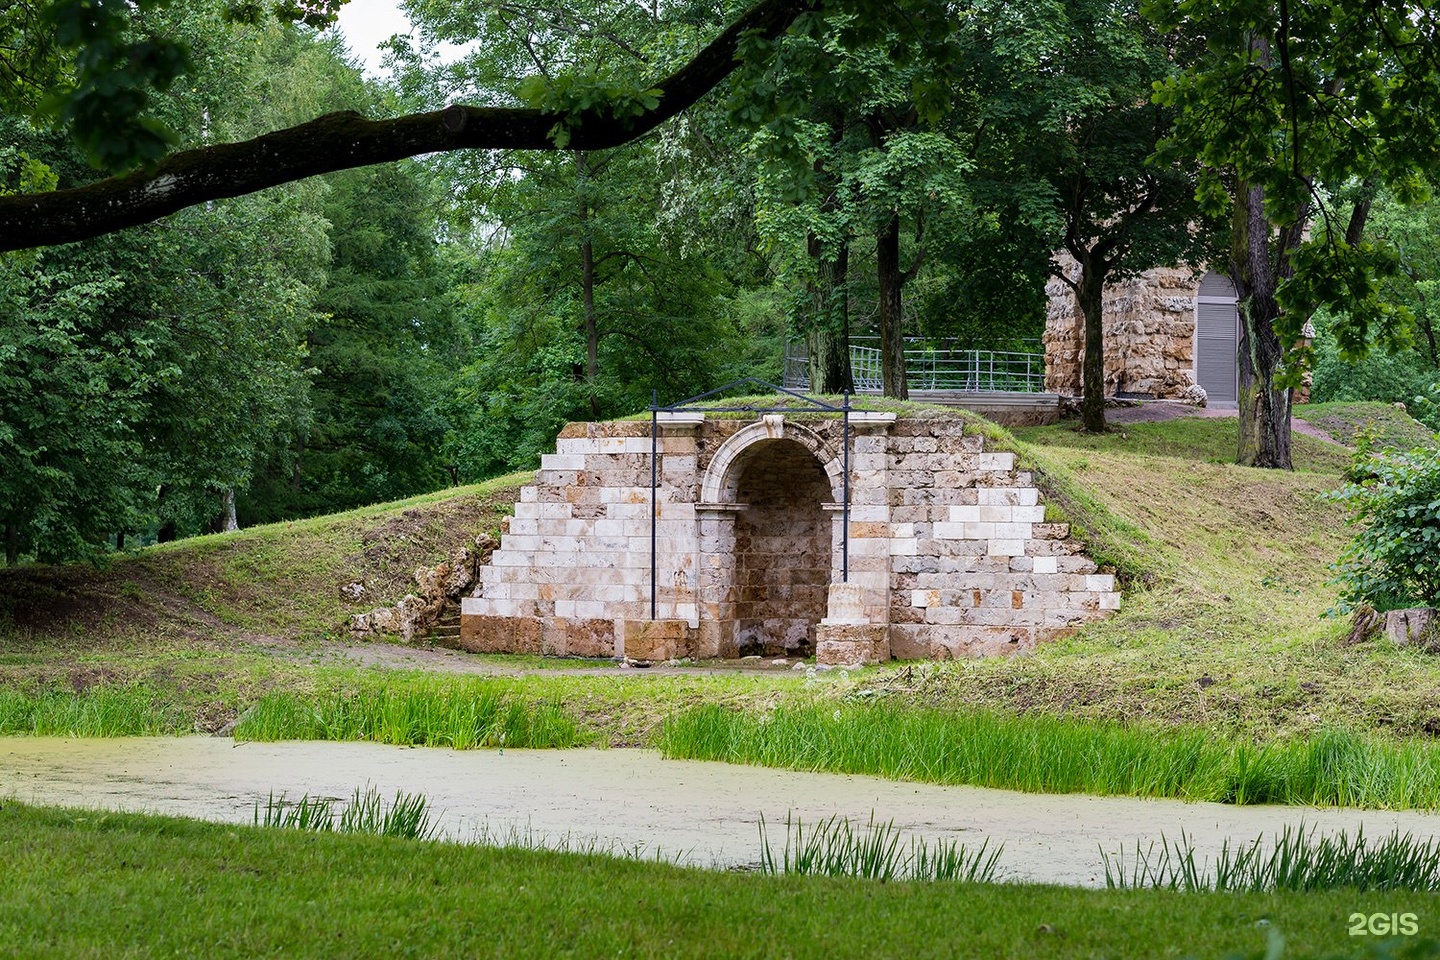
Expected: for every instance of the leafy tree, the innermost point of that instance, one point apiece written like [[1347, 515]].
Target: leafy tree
[[577, 116], [384, 341], [1062, 90], [866, 154], [594, 276], [143, 372], [1297, 114]]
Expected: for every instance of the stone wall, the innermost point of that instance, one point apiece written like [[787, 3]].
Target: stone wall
[[949, 553], [1149, 326]]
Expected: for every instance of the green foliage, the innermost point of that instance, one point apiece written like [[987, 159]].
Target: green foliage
[[1053, 754], [1394, 499], [1295, 859], [408, 816], [575, 92], [464, 715], [121, 60], [834, 847]]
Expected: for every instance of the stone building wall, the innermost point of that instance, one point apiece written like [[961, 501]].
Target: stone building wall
[[1149, 326], [949, 553]]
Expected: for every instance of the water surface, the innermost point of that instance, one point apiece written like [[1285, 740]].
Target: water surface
[[698, 812]]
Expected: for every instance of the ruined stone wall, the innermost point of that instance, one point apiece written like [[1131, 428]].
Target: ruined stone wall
[[1149, 326], [984, 573], [949, 553]]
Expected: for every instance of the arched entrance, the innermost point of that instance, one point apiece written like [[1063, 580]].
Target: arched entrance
[[770, 537], [782, 549]]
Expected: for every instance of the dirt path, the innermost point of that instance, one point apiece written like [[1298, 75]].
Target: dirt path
[[392, 656]]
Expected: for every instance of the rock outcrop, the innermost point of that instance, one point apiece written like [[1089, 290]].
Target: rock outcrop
[[438, 587]]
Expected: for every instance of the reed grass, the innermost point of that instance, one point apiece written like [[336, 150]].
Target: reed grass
[[1295, 859], [102, 711], [463, 714], [407, 816], [834, 847], [1048, 754]]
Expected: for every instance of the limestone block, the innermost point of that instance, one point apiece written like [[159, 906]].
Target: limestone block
[[566, 637], [998, 462], [652, 640], [562, 461], [1029, 515], [852, 644], [499, 634], [904, 547], [1045, 565], [1008, 496], [1006, 548]]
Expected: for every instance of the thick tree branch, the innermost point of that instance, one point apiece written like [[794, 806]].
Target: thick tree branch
[[340, 141]]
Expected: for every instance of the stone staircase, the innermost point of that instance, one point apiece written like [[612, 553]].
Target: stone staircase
[[446, 631]]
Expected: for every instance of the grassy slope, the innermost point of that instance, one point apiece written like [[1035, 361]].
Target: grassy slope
[[79, 884], [1222, 626], [1232, 632], [1344, 420]]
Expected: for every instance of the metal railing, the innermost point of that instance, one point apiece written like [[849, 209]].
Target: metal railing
[[932, 368]]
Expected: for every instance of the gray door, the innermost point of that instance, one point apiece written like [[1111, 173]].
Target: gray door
[[1217, 338]]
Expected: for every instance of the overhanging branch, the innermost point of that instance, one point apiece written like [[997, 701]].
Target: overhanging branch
[[340, 141]]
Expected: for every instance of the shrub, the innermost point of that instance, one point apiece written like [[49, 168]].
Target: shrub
[[1394, 500]]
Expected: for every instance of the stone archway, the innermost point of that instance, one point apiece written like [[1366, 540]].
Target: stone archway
[[769, 528], [783, 546]]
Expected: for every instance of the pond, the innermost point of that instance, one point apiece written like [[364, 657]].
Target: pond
[[627, 801]]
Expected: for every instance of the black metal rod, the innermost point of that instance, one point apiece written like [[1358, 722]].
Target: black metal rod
[[654, 485], [845, 507]]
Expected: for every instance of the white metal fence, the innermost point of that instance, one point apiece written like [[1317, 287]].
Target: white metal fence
[[932, 368]]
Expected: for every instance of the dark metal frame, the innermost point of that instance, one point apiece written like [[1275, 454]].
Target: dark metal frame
[[813, 405]]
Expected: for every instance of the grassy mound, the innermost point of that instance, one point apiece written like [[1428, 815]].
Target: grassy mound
[[1389, 424], [1223, 628], [275, 583]]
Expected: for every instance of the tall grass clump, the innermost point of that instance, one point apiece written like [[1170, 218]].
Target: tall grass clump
[[1047, 754], [834, 847], [407, 816], [1296, 859], [101, 711], [463, 714]]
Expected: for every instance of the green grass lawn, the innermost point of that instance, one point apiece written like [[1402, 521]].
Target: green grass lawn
[[89, 884], [1389, 425]]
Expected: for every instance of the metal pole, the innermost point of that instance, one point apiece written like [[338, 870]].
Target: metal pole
[[845, 507], [654, 484]]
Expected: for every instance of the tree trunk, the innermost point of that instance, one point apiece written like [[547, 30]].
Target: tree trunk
[[12, 544], [1089, 298], [228, 523], [828, 340], [892, 334], [1264, 407], [295, 467]]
